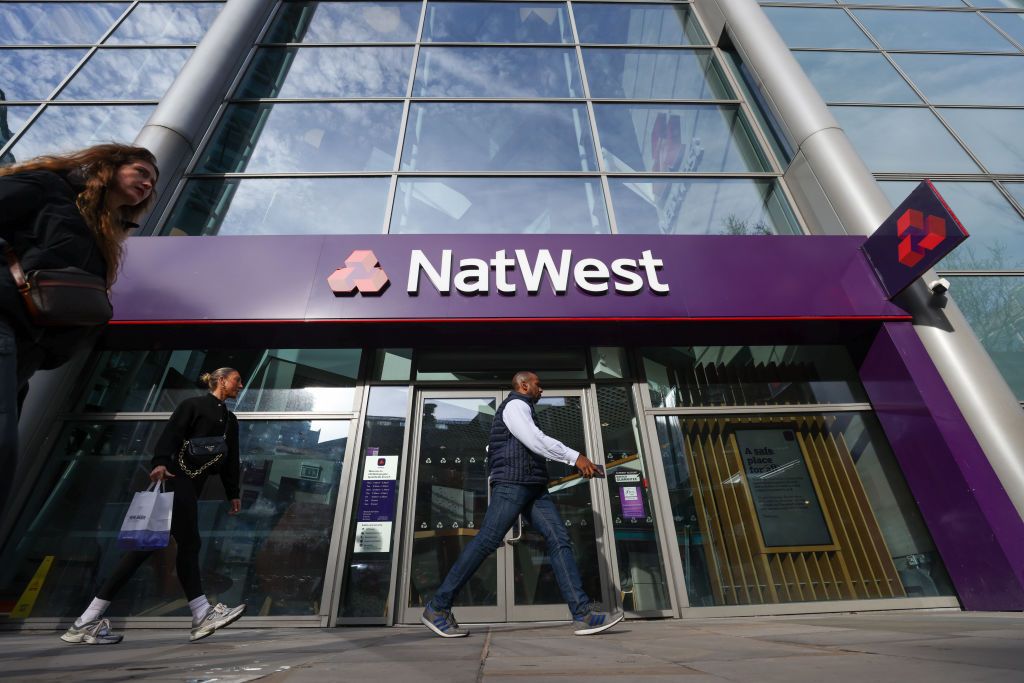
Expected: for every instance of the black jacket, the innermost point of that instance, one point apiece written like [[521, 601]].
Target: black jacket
[[201, 416], [40, 221]]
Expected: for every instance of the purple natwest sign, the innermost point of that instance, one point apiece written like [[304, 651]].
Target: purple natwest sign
[[917, 235], [475, 277]]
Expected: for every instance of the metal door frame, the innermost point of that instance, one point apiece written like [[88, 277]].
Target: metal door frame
[[505, 610]]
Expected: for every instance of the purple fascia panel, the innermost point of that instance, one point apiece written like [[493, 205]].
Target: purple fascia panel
[[971, 519]]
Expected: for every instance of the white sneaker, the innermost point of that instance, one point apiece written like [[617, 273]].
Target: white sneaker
[[95, 632], [219, 616]]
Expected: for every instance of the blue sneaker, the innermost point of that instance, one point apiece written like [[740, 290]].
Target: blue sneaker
[[594, 622], [442, 622]]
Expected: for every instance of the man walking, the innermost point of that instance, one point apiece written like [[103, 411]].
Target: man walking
[[519, 479]]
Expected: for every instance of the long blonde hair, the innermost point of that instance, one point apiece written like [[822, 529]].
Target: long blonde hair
[[97, 166]]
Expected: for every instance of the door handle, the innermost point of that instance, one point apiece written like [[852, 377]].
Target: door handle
[[517, 531]]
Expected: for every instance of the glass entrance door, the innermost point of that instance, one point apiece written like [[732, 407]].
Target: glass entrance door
[[515, 583]]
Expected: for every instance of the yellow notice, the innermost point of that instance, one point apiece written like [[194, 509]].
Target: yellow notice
[[27, 601]]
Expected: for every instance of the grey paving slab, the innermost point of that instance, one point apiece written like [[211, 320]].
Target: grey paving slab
[[980, 652]]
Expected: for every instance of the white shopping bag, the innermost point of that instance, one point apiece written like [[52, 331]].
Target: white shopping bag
[[147, 526]]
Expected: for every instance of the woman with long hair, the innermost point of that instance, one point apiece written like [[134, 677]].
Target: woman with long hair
[[202, 417], [56, 212]]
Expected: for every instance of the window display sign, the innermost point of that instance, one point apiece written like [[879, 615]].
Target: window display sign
[[377, 499], [630, 495], [788, 509]]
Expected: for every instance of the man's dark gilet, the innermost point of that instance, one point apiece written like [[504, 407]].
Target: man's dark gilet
[[509, 460]]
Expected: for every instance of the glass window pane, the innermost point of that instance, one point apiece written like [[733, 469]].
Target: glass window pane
[[966, 79], [320, 380], [1013, 24], [684, 376], [328, 72], [496, 205], [920, 30], [54, 23], [855, 77], [33, 74], [609, 362], [345, 22], [1001, 4], [820, 460], [508, 72], [498, 366], [994, 306], [636, 24], [676, 139], [654, 74], [166, 23], [321, 136], [496, 22], [65, 128], [996, 229], [367, 580], [126, 74], [1016, 190], [280, 206], [701, 206], [12, 119], [994, 135], [807, 27], [449, 136], [906, 3], [892, 139], [274, 553]]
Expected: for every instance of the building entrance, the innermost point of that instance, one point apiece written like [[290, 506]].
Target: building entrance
[[450, 496]]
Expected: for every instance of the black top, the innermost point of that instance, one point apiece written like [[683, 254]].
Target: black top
[[201, 416], [39, 219]]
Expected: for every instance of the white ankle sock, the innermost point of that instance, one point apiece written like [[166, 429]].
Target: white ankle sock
[[95, 610], [200, 606]]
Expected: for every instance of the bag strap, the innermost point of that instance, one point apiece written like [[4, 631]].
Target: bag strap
[[15, 266]]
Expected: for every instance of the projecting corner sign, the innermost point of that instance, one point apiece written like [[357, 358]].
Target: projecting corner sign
[[363, 273], [917, 235]]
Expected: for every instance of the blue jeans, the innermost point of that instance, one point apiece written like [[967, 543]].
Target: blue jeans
[[507, 502]]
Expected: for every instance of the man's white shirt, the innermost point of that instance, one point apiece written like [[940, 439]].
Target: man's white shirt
[[519, 421]]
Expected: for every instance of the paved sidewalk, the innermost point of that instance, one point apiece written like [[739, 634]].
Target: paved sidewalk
[[903, 647]]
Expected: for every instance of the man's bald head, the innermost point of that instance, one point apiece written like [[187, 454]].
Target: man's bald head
[[526, 382], [520, 378]]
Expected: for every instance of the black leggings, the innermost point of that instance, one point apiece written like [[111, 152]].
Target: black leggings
[[184, 528]]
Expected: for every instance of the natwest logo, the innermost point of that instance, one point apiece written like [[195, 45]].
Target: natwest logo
[[362, 273], [594, 276], [920, 232]]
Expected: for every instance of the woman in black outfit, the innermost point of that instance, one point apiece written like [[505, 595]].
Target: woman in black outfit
[[56, 212], [194, 417]]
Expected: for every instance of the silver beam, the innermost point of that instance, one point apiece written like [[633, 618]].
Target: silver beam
[[835, 183]]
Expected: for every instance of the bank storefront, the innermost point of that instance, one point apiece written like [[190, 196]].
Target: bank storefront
[[747, 431]]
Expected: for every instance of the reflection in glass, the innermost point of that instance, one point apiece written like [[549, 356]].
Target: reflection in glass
[[742, 540], [53, 23], [676, 139], [126, 74], [994, 135], [855, 77], [654, 74], [994, 306], [892, 139], [451, 498], [276, 380], [166, 23], [280, 206], [455, 136], [367, 579], [1016, 190], [814, 27], [65, 128], [507, 72], [496, 22], [1001, 4], [682, 376], [1012, 24], [637, 24], [966, 79], [497, 205], [497, 367], [701, 206], [918, 29], [33, 74], [345, 22], [996, 229], [641, 567], [273, 555], [12, 119], [906, 3], [311, 136], [328, 72]]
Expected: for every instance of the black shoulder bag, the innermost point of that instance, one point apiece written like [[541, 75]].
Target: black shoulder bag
[[201, 452]]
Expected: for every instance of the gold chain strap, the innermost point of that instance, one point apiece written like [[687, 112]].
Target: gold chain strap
[[194, 473]]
